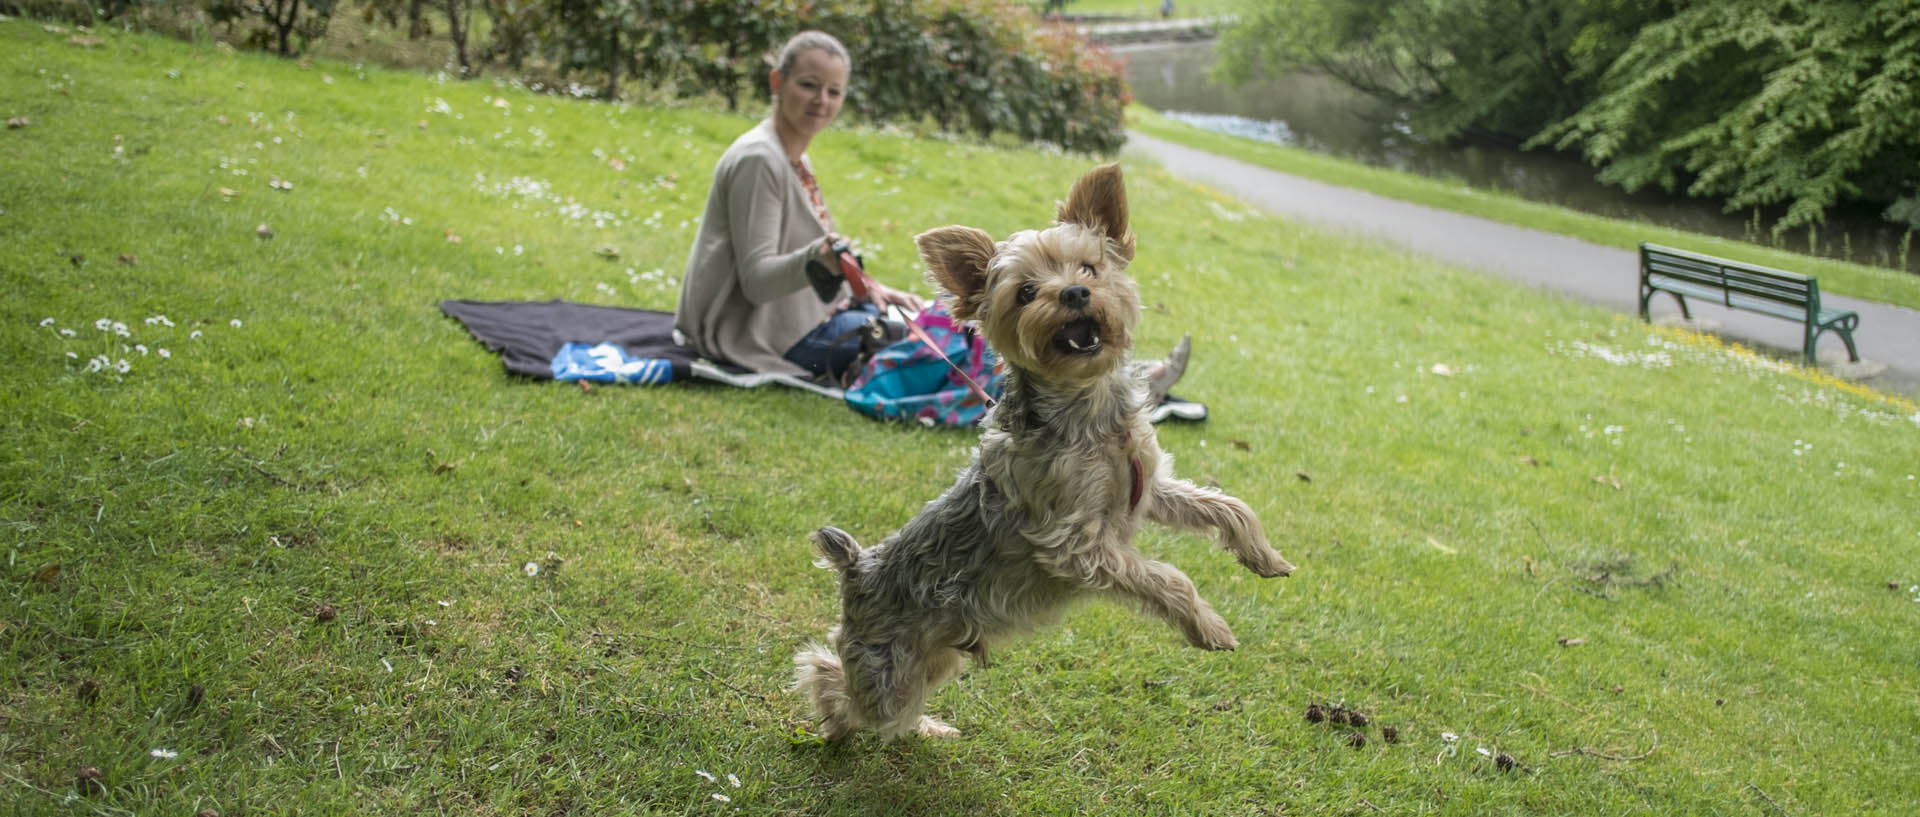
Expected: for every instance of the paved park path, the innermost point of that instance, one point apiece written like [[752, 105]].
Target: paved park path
[[1888, 337]]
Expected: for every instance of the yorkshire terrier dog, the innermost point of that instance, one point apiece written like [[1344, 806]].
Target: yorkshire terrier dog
[[1067, 466]]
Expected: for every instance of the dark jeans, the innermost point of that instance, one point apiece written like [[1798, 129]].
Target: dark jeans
[[834, 345]]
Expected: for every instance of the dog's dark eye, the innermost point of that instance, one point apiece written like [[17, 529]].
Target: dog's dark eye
[[1088, 269], [1026, 294]]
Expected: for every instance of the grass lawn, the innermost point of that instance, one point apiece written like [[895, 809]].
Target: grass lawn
[[1871, 283], [321, 555]]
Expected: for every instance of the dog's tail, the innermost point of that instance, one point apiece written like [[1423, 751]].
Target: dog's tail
[[819, 675], [838, 549]]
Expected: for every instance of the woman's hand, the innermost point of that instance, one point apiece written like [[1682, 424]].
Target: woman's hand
[[884, 296], [827, 255]]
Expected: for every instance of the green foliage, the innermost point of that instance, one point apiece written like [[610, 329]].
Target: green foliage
[[1778, 103], [1506, 67], [982, 67], [274, 24], [977, 66], [1761, 103]]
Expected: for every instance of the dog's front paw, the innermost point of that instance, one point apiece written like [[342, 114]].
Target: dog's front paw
[[1210, 632], [1264, 561], [932, 727]]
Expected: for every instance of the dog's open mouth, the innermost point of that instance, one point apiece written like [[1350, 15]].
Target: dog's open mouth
[[1079, 337]]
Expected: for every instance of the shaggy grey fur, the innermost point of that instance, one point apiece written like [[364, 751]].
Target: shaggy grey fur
[[1066, 468]]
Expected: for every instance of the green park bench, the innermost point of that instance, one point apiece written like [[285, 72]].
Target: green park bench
[[1743, 286]]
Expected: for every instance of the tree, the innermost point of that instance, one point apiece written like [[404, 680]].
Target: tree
[[282, 20], [1502, 68], [1763, 102]]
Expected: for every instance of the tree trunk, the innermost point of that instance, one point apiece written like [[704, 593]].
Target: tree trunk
[[613, 65], [285, 14], [457, 30], [417, 26]]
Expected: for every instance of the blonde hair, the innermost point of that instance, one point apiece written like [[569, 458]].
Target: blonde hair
[[810, 41]]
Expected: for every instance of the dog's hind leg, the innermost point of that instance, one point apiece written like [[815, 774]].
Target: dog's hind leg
[[887, 684], [942, 666]]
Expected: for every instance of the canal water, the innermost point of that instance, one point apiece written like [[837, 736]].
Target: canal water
[[1318, 113]]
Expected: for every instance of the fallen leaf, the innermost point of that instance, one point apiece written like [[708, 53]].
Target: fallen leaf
[[263, 231], [1572, 642], [501, 102], [18, 122], [1442, 370], [1243, 445], [127, 259], [1304, 476], [1527, 460], [607, 251], [423, 124], [1608, 479], [222, 120], [47, 575], [85, 41], [228, 192], [451, 238], [616, 164]]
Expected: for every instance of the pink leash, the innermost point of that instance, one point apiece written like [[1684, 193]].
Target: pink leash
[[858, 281]]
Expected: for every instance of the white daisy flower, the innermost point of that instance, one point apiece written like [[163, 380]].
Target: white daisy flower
[[235, 323], [123, 366], [194, 335], [532, 568], [164, 354], [104, 324], [47, 322], [67, 333]]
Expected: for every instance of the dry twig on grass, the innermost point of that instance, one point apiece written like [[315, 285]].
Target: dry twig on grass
[[1581, 750]]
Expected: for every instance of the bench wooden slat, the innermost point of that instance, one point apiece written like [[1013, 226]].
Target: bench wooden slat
[[1747, 287]]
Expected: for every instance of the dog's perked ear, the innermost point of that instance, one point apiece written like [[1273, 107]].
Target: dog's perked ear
[[1098, 202], [956, 259]]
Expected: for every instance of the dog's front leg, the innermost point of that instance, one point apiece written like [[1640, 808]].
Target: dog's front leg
[[1157, 587], [1181, 504]]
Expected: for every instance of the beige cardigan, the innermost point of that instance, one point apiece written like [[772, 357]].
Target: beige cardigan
[[745, 298]]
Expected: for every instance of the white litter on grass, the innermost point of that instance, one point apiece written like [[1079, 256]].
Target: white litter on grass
[[164, 754], [706, 774], [385, 663]]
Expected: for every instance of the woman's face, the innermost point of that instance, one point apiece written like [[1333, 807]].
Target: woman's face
[[807, 98]]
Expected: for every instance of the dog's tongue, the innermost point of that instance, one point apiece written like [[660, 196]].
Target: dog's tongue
[[1082, 335]]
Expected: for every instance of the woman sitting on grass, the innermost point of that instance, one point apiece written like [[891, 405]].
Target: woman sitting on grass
[[763, 287]]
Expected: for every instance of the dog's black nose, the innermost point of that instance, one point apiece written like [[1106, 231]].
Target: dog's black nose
[[1075, 297]]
